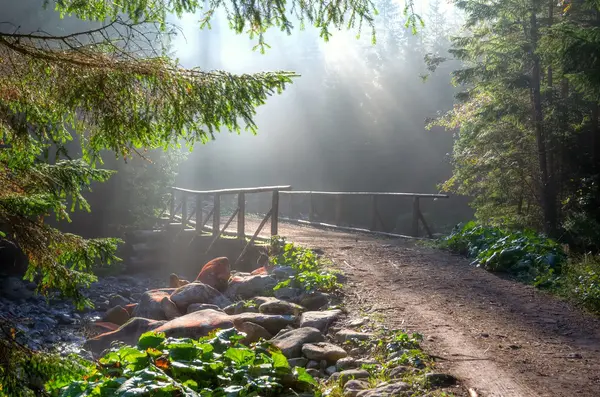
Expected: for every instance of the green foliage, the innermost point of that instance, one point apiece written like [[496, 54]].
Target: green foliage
[[580, 282], [526, 254], [216, 365], [311, 276]]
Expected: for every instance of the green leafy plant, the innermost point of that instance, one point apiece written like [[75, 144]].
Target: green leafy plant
[[216, 365], [310, 274]]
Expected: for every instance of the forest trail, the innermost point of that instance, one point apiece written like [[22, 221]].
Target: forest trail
[[500, 337]]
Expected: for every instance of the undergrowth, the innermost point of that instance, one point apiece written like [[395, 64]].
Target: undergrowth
[[531, 258], [216, 365], [311, 274]]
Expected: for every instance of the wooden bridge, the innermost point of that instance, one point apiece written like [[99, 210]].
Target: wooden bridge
[[191, 211]]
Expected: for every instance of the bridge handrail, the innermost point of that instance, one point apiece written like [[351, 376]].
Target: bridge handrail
[[261, 189], [423, 195]]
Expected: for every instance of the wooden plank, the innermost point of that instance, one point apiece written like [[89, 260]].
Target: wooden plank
[[199, 214], [220, 231], [256, 233], [415, 217], [241, 221], [423, 195], [216, 214], [425, 224], [274, 213], [236, 191], [183, 210]]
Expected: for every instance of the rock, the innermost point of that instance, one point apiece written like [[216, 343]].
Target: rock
[[101, 327], [398, 372], [150, 305], [323, 351], [196, 324], [313, 372], [117, 300], [64, 319], [330, 370], [314, 301], [348, 334], [277, 306], [102, 306], [346, 363], [197, 292], [176, 282], [254, 332], [283, 272], [319, 320], [128, 333], [14, 288], [434, 379], [313, 364], [350, 374], [291, 342], [260, 270], [169, 308], [354, 386], [136, 297], [357, 322], [271, 323], [297, 362], [241, 307], [246, 287], [195, 307], [130, 308], [389, 390], [117, 315], [215, 273], [290, 294]]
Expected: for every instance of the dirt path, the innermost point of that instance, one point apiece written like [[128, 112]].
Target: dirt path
[[500, 337]]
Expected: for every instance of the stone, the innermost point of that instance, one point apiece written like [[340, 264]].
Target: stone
[[399, 371], [350, 374], [102, 306], [388, 390], [65, 319], [314, 301], [346, 363], [272, 323], [150, 305], [289, 294], [345, 335], [330, 370], [128, 333], [130, 308], [100, 327], [197, 292], [169, 308], [254, 332], [196, 324], [117, 300], [246, 287], [291, 342], [277, 306], [260, 270], [215, 273], [176, 282], [313, 372], [298, 362], [354, 386], [116, 315], [283, 272], [357, 322], [435, 379], [241, 307], [15, 288], [195, 307], [323, 351], [319, 320], [313, 364]]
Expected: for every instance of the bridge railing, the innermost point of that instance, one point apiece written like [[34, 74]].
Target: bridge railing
[[417, 215], [181, 199]]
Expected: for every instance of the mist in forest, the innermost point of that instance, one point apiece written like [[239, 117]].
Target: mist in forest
[[353, 121]]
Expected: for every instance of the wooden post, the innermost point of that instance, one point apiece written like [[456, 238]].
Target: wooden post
[[275, 213], [216, 214], [199, 214], [338, 210], [183, 210], [241, 225], [172, 206], [415, 219], [373, 213], [311, 208]]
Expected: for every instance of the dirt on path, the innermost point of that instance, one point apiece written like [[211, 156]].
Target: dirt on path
[[499, 337]]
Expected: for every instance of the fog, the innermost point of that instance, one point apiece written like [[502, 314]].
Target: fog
[[353, 121]]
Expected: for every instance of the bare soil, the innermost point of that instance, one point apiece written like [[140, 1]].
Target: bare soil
[[500, 337]]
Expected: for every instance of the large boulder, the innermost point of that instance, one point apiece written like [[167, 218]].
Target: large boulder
[[320, 320], [291, 342], [215, 273], [196, 307], [323, 351], [253, 332], [246, 287], [198, 292], [196, 324], [150, 305], [271, 323], [117, 315], [314, 300], [128, 333], [169, 308]]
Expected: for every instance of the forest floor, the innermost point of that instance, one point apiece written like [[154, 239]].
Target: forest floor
[[500, 337]]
